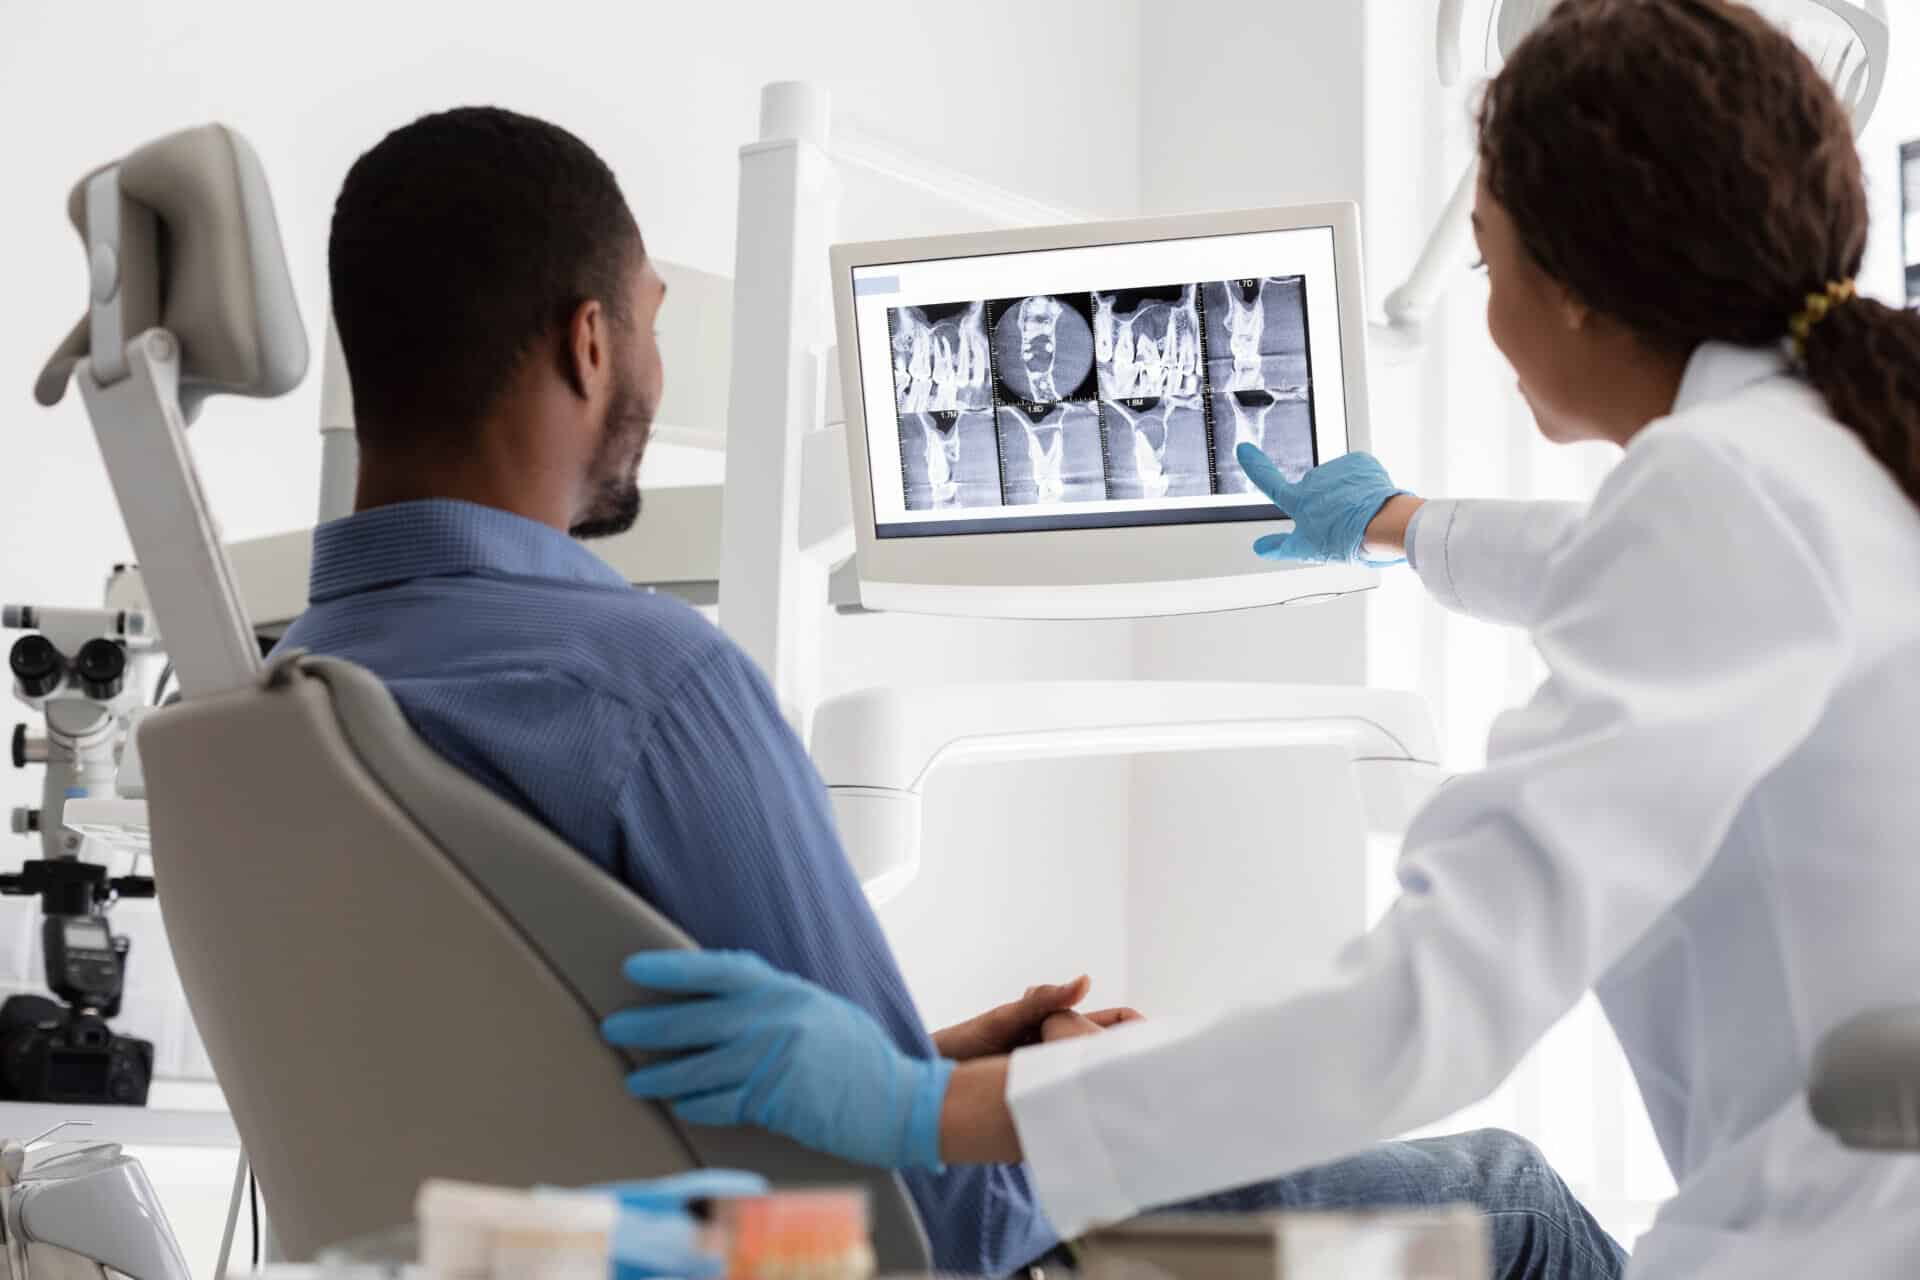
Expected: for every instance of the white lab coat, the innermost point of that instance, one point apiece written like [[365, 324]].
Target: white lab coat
[[1710, 813]]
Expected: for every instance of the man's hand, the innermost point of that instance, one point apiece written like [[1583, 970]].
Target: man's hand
[[1010, 1026]]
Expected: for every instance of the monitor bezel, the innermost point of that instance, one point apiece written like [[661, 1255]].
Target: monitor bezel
[[1131, 571]]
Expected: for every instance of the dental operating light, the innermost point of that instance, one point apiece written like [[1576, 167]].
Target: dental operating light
[[1848, 40]]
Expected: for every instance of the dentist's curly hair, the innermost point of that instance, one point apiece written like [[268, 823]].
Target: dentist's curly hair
[[1681, 166]]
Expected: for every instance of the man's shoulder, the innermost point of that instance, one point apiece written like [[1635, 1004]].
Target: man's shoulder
[[605, 661], [641, 645]]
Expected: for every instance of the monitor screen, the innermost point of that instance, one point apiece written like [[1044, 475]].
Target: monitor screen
[[1096, 386]]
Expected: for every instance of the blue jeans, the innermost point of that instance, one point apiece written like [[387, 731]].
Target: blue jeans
[[1540, 1231]]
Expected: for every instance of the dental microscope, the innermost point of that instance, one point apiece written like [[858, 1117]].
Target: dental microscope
[[71, 666], [75, 1210]]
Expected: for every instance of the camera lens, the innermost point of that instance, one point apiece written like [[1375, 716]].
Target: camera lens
[[102, 667], [37, 665]]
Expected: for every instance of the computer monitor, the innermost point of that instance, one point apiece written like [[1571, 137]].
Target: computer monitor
[[1043, 423]]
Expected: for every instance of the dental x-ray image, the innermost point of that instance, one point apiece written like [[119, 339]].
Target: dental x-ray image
[[1261, 388], [940, 359], [1051, 453], [1146, 342], [1257, 334], [1139, 394], [1157, 448], [950, 459], [1043, 348], [1280, 423]]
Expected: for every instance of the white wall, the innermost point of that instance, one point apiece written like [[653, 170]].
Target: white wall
[[1251, 102]]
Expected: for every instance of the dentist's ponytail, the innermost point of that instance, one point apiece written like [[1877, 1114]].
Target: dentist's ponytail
[[1681, 166], [1865, 359]]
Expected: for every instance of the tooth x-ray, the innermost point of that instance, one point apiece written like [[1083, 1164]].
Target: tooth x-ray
[[1051, 453], [1043, 348], [1280, 423], [950, 459], [1146, 342], [1157, 448], [1256, 333], [1258, 372], [940, 359]]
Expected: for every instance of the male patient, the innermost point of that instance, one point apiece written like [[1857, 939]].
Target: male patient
[[496, 308]]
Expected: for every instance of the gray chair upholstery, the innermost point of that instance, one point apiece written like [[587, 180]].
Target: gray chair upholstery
[[217, 279], [1866, 1080], [400, 975]]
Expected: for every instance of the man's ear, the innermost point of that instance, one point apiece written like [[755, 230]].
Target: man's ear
[[585, 358]]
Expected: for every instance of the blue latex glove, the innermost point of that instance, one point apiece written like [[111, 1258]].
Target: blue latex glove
[[657, 1236], [674, 1194], [776, 1051], [1330, 506]]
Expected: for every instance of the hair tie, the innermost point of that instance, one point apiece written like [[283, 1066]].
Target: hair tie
[[1819, 305]]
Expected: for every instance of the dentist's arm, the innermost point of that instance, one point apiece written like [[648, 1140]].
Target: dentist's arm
[[1486, 559], [757, 1046]]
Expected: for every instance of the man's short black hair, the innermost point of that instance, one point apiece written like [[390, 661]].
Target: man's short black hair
[[459, 243]]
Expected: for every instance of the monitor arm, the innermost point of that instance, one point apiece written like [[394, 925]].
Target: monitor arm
[[876, 748]]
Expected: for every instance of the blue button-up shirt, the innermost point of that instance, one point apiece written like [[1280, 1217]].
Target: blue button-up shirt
[[642, 736]]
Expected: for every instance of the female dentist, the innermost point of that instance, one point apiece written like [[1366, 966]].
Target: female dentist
[[1707, 813]]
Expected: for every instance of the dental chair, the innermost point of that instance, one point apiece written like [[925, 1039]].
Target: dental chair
[[397, 974]]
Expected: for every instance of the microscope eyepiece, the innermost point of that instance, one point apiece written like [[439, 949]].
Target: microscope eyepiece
[[102, 667], [37, 665]]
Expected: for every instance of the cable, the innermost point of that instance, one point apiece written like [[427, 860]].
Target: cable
[[160, 685], [233, 1216], [253, 1208]]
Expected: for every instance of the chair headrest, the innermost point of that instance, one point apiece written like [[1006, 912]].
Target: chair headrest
[[221, 274]]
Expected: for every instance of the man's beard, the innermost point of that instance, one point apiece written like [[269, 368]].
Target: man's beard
[[616, 468]]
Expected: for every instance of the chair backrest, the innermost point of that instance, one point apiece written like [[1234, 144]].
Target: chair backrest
[[398, 974]]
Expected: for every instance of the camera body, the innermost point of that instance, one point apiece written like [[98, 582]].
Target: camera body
[[52, 1053]]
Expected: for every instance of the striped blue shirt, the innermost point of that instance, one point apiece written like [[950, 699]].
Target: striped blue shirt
[[646, 739]]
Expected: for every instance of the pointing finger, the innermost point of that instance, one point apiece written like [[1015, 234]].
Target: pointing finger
[[1267, 477]]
